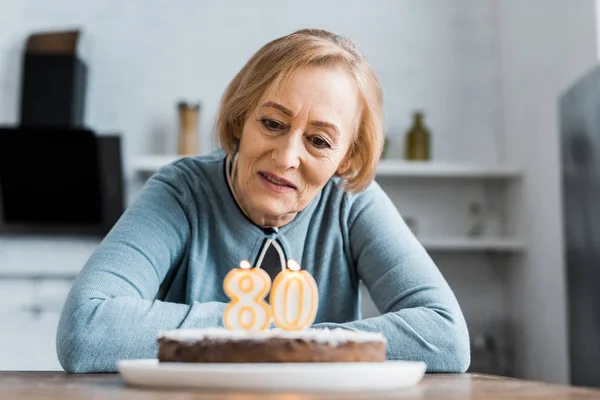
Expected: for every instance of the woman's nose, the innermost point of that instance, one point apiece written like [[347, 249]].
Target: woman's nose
[[288, 152]]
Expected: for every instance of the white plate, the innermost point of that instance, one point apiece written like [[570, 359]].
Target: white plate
[[389, 375]]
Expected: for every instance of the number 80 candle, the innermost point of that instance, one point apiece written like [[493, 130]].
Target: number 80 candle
[[247, 289]]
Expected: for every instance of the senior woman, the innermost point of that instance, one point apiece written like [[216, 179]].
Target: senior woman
[[301, 135]]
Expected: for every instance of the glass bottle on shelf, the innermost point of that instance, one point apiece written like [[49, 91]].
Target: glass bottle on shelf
[[418, 140], [476, 219], [188, 128]]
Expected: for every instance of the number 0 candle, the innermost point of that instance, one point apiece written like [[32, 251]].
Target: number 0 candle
[[247, 289], [294, 298]]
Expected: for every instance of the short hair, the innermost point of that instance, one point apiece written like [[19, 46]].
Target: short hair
[[280, 58]]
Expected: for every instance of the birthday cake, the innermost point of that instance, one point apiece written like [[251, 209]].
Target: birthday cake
[[220, 345], [245, 338]]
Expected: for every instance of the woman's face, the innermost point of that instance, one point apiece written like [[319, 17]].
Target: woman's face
[[294, 142]]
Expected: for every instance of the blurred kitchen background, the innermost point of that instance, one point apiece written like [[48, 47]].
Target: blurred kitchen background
[[498, 183]]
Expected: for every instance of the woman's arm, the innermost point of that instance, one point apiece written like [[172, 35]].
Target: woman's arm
[[111, 312], [421, 318]]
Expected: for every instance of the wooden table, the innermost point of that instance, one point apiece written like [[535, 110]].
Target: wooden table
[[62, 386]]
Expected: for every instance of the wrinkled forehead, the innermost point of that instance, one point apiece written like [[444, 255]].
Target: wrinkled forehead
[[336, 92]]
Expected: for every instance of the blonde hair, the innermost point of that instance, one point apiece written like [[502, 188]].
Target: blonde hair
[[276, 61]]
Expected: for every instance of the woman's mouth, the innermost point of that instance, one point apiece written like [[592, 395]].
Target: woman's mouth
[[276, 183]]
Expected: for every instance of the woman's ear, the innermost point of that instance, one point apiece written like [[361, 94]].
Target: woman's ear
[[345, 166]]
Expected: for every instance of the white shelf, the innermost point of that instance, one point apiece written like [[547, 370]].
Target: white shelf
[[472, 244], [440, 169], [391, 168], [31, 255], [151, 163]]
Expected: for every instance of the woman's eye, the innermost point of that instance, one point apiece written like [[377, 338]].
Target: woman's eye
[[319, 142], [272, 125]]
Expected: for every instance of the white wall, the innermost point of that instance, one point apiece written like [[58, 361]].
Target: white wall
[[598, 28], [545, 46]]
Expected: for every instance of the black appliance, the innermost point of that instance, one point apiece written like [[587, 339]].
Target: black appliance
[[580, 136], [56, 175]]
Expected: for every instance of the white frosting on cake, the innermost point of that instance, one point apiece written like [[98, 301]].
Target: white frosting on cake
[[331, 337]]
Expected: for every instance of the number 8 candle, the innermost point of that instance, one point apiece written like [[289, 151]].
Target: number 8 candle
[[294, 298], [247, 289]]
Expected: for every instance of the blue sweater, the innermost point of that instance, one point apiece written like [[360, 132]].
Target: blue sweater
[[162, 267]]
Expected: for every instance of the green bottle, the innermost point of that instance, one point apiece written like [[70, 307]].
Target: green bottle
[[418, 140]]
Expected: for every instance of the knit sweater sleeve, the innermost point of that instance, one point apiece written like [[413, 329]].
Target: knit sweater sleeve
[[111, 312], [421, 317]]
